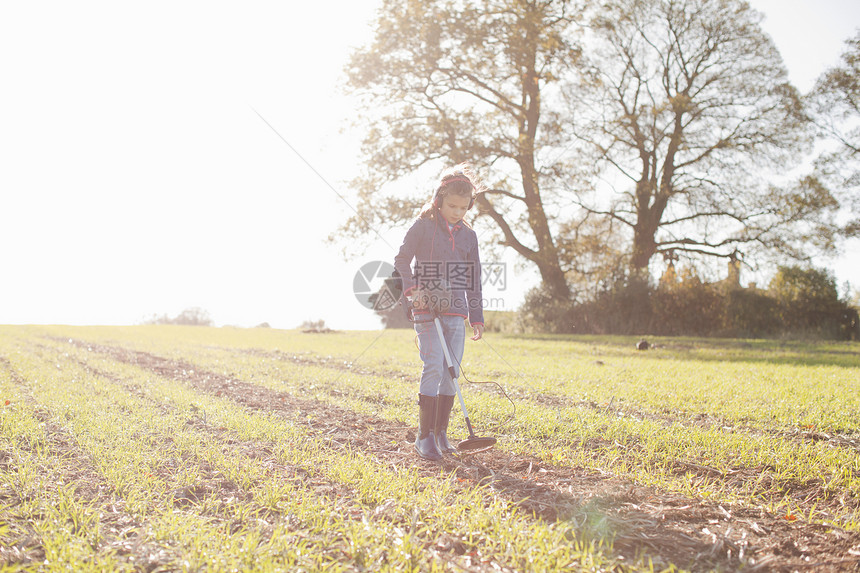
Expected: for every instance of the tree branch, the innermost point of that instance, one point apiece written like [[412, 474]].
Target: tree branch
[[503, 192], [510, 239]]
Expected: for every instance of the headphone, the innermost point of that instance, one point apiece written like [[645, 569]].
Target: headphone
[[437, 199]]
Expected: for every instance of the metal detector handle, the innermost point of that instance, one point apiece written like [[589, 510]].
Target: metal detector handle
[[453, 373]]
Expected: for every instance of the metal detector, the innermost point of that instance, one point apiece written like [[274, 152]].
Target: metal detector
[[473, 442]]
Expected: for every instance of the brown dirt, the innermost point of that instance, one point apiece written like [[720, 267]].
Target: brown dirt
[[125, 535], [668, 528], [807, 496], [846, 440], [118, 528]]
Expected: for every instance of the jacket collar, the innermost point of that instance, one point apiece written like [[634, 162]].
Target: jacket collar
[[440, 220]]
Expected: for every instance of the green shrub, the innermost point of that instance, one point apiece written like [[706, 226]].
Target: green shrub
[[686, 307], [800, 303], [749, 313], [541, 312], [807, 302]]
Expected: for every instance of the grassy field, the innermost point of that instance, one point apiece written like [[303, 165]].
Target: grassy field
[[159, 448]]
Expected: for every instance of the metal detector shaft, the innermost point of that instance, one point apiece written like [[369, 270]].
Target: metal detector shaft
[[453, 372]]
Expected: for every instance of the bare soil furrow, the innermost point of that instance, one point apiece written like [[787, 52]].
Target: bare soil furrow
[[807, 495], [848, 440], [212, 483], [212, 493], [668, 528], [221, 495], [66, 466]]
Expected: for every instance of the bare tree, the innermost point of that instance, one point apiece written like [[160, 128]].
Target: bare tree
[[835, 103], [452, 82], [686, 107], [681, 108]]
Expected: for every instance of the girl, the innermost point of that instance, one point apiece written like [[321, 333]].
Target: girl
[[445, 282]]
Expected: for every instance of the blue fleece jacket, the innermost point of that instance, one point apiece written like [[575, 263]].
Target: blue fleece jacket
[[443, 252]]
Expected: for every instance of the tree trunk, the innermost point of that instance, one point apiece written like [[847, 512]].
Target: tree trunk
[[644, 246], [554, 280], [546, 258]]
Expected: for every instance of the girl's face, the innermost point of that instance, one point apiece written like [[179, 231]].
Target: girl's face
[[454, 207]]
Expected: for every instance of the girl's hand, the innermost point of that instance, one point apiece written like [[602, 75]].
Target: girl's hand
[[479, 331]]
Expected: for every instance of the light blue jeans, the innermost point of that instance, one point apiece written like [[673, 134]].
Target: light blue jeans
[[435, 378]]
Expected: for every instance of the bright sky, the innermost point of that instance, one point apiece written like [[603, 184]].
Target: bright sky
[[136, 177]]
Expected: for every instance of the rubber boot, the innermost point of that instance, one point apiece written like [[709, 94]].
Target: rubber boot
[[425, 441], [443, 414]]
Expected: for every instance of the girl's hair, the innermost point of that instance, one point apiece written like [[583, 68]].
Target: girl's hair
[[459, 180]]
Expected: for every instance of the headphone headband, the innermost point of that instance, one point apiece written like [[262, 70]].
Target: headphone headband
[[437, 199], [457, 178]]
